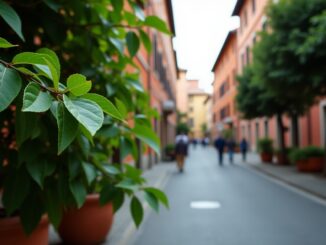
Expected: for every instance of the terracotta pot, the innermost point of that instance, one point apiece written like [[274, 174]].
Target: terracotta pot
[[282, 159], [266, 157], [11, 232], [316, 164], [88, 225], [302, 165]]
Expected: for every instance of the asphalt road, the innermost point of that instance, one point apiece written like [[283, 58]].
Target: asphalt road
[[253, 210]]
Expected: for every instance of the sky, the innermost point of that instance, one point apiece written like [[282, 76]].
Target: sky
[[201, 28]]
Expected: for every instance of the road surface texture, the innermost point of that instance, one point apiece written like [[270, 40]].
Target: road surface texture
[[253, 210]]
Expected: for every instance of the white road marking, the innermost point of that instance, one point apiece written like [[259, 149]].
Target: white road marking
[[205, 205]]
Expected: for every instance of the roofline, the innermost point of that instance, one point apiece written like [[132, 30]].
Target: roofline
[[170, 16], [237, 7], [231, 33]]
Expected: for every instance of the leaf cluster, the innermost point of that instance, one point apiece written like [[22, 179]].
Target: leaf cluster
[[72, 112]]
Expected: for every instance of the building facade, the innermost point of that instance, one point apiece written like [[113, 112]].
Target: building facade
[[252, 14], [224, 88], [158, 71]]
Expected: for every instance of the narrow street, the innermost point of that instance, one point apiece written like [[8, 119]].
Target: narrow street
[[252, 209]]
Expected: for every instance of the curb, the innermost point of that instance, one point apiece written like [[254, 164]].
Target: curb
[[289, 183]]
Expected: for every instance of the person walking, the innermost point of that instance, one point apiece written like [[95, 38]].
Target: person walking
[[219, 144], [243, 148], [231, 147], [181, 149]]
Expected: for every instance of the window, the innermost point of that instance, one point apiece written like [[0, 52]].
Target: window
[[245, 17], [266, 128], [247, 55], [264, 25], [224, 87], [242, 61], [234, 76], [257, 131], [253, 5], [254, 40], [191, 122]]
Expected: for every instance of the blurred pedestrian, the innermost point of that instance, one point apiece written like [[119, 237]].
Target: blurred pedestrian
[[243, 148], [194, 142], [219, 144], [231, 147], [181, 149]]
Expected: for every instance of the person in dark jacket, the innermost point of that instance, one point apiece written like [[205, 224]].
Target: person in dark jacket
[[181, 149], [231, 147], [243, 148], [219, 144]]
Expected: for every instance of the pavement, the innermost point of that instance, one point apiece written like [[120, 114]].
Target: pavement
[[312, 183], [165, 176]]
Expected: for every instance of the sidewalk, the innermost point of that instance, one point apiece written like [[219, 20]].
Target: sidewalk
[[312, 183], [123, 230]]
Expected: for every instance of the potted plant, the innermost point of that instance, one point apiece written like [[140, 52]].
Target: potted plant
[[315, 156], [265, 148], [299, 157], [170, 151], [50, 114]]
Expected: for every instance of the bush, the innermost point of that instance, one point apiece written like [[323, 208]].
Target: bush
[[265, 145], [297, 155], [169, 149], [314, 151], [305, 153]]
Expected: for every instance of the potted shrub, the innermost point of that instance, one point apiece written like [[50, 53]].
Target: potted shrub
[[299, 157], [50, 115], [315, 156], [170, 151], [265, 148]]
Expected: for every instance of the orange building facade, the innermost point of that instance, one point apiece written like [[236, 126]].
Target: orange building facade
[[252, 20], [158, 71], [224, 88]]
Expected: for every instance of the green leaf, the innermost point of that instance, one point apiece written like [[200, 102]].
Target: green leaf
[[117, 5], [157, 23], [27, 126], [67, 128], [132, 43], [39, 169], [79, 192], [148, 136], [53, 58], [42, 62], [10, 85], [35, 100], [87, 113], [136, 210], [90, 172], [78, 85], [53, 5], [111, 169], [160, 195], [139, 12], [118, 44], [151, 200], [146, 41], [135, 84], [53, 205], [5, 44], [107, 106], [11, 17], [127, 184], [111, 194], [121, 107], [16, 189], [31, 211]]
